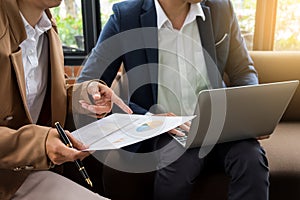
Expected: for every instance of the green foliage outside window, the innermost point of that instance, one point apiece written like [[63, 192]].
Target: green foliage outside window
[[69, 28], [288, 25], [106, 10], [245, 13], [287, 22]]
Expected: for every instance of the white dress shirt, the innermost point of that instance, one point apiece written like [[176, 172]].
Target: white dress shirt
[[35, 63], [182, 72]]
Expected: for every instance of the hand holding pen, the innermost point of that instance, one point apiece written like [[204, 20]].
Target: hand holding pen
[[59, 153], [65, 139], [56, 146]]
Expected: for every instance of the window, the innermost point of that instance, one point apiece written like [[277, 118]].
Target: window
[[69, 21], [106, 9], [78, 27], [287, 25], [245, 12]]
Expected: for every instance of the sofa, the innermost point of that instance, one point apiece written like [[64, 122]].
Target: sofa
[[282, 148]]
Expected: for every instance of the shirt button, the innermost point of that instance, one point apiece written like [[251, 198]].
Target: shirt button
[[31, 33], [31, 51]]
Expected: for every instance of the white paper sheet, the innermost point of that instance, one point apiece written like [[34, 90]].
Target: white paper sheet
[[119, 130]]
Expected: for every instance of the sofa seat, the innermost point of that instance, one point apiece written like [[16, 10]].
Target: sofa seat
[[283, 152], [283, 149]]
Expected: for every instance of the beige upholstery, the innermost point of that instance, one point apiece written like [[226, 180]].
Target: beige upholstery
[[280, 66], [283, 147]]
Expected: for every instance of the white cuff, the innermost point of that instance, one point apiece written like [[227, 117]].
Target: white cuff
[[149, 114]]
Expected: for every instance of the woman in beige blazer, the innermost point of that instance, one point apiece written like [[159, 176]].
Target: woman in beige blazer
[[27, 147]]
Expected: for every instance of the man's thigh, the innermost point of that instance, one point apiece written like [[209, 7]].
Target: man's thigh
[[48, 185]]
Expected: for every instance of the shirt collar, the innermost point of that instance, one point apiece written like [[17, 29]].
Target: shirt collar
[[195, 10], [43, 25]]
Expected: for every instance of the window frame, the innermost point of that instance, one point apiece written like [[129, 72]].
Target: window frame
[[265, 25]]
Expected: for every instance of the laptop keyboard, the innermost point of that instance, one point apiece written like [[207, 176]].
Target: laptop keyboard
[[180, 139]]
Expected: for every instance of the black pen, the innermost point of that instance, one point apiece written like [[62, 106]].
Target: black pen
[[79, 164]]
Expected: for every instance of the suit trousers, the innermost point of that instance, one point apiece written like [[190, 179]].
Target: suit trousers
[[48, 185], [243, 161]]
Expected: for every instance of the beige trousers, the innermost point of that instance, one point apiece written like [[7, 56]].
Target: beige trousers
[[46, 185]]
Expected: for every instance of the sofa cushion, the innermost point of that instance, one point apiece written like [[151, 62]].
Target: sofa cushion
[[283, 149]]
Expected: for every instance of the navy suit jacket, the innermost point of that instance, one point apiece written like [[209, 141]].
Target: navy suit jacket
[[130, 37]]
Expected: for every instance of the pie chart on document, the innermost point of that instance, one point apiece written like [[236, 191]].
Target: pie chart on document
[[149, 126]]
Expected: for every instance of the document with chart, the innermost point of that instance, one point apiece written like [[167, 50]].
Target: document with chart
[[119, 130]]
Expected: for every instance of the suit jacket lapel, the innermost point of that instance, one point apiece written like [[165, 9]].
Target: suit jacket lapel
[[18, 35], [148, 19], [209, 51], [16, 60]]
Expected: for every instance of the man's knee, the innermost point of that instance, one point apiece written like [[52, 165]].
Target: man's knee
[[247, 155]]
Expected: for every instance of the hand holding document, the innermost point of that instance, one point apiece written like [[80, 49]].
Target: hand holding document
[[119, 130]]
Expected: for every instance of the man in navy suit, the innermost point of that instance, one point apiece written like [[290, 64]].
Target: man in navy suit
[[171, 50]]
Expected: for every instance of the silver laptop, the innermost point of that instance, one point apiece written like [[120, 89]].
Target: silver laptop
[[236, 113]]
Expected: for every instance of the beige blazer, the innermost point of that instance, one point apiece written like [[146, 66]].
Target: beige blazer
[[22, 144]]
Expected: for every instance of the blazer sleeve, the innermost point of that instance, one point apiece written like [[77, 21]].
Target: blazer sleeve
[[239, 66], [24, 148], [105, 59], [21, 147]]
